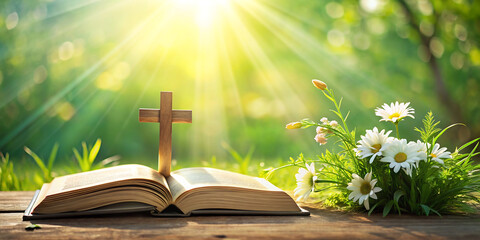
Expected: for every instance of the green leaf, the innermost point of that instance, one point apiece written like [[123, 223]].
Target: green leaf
[[397, 195], [37, 159], [79, 159], [346, 116], [111, 160], [85, 153], [443, 131], [426, 209], [387, 208], [472, 153], [94, 151], [53, 155], [433, 210], [326, 95], [327, 181], [32, 227], [375, 206], [468, 144], [413, 196]]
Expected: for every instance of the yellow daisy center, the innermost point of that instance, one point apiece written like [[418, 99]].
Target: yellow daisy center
[[394, 115], [433, 155], [376, 148], [400, 157], [365, 188]]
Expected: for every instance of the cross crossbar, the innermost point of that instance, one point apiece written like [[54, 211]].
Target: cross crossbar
[[153, 115]]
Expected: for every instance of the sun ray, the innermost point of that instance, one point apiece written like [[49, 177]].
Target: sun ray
[[272, 80], [14, 90], [133, 47], [72, 7], [53, 100], [153, 75], [231, 80], [210, 128], [303, 43]]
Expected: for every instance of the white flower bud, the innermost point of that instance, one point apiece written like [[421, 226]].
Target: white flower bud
[[334, 123], [320, 138]]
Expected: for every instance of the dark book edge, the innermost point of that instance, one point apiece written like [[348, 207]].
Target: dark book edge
[[231, 212], [173, 211]]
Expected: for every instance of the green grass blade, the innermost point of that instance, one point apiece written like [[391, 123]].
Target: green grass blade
[[37, 159], [426, 209], [79, 160], [443, 131], [53, 156], [108, 161], [85, 153], [387, 208], [468, 144], [94, 151], [375, 206]]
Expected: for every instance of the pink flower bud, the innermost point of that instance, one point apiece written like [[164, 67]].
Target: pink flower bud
[[320, 138], [322, 130]]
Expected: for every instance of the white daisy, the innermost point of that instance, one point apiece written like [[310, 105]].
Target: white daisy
[[395, 112], [439, 153], [362, 189], [373, 143], [421, 149], [400, 155], [305, 182]]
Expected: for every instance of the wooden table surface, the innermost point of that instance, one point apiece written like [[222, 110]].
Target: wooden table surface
[[324, 224]]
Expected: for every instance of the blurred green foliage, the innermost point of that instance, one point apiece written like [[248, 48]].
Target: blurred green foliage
[[9, 180], [73, 71], [87, 159], [45, 166]]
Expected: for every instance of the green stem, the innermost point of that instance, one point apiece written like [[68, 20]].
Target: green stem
[[396, 127]]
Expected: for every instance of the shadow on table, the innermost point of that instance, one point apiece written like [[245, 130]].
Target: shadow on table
[[400, 226], [132, 221]]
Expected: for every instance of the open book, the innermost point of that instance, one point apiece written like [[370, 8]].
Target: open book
[[136, 188]]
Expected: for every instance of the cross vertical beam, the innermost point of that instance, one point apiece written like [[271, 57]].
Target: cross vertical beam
[[165, 143], [165, 116]]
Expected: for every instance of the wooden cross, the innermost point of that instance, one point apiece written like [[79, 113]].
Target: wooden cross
[[165, 116]]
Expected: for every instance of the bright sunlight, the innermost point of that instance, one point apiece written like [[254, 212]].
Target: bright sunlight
[[79, 70]]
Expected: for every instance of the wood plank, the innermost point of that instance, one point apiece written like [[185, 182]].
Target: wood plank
[[15, 201], [153, 115], [322, 224], [165, 142]]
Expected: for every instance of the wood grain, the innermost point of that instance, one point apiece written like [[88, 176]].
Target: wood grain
[[322, 224], [165, 142], [14, 201], [153, 115]]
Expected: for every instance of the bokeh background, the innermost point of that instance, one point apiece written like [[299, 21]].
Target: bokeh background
[[78, 70]]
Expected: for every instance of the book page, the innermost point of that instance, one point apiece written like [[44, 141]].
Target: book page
[[104, 176], [186, 179]]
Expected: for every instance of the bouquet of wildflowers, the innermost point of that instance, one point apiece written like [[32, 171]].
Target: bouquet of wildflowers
[[384, 172]]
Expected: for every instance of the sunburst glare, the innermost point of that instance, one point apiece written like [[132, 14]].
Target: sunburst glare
[[80, 71]]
